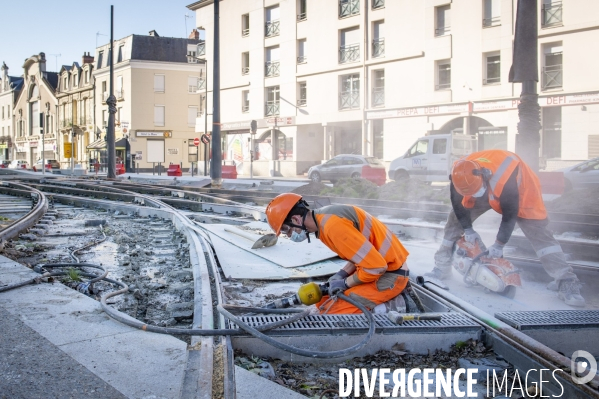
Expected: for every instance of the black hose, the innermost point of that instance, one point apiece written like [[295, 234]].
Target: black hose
[[303, 352]]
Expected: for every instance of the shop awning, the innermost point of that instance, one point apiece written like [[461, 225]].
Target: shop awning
[[97, 145], [121, 144]]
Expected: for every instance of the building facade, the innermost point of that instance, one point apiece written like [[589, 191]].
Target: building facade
[[36, 97], [75, 94], [158, 101], [371, 76], [10, 87]]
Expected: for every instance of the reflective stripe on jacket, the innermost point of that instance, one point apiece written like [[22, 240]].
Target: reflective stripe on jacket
[[502, 164], [358, 237]]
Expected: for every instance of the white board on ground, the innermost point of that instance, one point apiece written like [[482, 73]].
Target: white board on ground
[[238, 263], [285, 253]]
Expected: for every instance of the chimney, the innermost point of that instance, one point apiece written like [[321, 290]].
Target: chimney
[[42, 62], [154, 33], [195, 34], [87, 59]]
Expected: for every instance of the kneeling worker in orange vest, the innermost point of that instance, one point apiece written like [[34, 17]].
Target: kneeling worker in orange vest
[[376, 271], [500, 180]]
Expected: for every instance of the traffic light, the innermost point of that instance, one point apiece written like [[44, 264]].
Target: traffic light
[[253, 126]]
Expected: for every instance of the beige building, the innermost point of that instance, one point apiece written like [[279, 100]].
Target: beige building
[[371, 76], [36, 97], [75, 94], [10, 87], [158, 101]]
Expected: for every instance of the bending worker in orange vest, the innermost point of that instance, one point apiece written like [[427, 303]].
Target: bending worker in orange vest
[[500, 180], [376, 271]]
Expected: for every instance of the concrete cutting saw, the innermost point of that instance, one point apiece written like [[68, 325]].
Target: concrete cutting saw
[[494, 274]]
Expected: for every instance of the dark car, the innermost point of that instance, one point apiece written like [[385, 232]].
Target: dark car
[[582, 175], [349, 165]]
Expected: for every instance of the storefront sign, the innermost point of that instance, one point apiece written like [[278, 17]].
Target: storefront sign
[[3, 145], [281, 121], [571, 99], [32, 144], [419, 111], [150, 134], [138, 155], [495, 105]]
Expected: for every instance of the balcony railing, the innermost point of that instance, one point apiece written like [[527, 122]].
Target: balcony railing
[[271, 68], [85, 120], [378, 4], [442, 31], [245, 108], [245, 32], [490, 22], [202, 48], [201, 84], [120, 94], [271, 28], [551, 13], [302, 102], [245, 70], [349, 53], [552, 77], [302, 17], [67, 122], [378, 47], [492, 81], [349, 100], [443, 86], [272, 108], [348, 7], [302, 59], [378, 96]]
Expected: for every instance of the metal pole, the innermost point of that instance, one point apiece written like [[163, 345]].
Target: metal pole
[[215, 166], [43, 143], [72, 140], [206, 119], [111, 102]]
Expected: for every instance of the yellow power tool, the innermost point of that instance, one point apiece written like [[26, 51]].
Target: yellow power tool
[[307, 294]]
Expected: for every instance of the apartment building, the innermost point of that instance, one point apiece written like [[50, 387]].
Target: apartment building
[[371, 76], [75, 94], [10, 87], [37, 96], [158, 92]]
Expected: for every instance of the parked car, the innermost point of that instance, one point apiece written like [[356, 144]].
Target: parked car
[[582, 175], [431, 157], [50, 164], [4, 164], [348, 165], [18, 164]]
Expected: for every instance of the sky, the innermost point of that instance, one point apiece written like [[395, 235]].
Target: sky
[[69, 27]]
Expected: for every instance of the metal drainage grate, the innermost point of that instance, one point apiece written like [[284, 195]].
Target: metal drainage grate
[[570, 319], [355, 324]]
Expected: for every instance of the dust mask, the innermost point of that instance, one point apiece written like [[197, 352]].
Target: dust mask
[[480, 192], [299, 237]]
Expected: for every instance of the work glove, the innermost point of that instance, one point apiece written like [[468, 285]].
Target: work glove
[[471, 236], [496, 250], [337, 286], [340, 275]]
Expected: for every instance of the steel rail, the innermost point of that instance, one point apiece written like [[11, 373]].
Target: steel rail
[[538, 351], [31, 218]]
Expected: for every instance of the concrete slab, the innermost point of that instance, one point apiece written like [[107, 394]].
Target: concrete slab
[[250, 386], [285, 253], [138, 364]]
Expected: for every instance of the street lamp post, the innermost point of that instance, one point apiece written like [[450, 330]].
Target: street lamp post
[[203, 61]]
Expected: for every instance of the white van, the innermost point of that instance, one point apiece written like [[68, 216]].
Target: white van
[[430, 158]]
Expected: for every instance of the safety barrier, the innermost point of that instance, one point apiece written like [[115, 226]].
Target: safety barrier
[[120, 169], [229, 172], [174, 170]]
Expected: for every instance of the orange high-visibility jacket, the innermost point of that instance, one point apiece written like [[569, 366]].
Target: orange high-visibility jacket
[[502, 164], [361, 239]]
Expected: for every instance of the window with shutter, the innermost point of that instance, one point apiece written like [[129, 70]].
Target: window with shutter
[[192, 114], [159, 115], [159, 83]]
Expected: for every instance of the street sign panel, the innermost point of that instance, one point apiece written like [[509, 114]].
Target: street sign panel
[[196, 141]]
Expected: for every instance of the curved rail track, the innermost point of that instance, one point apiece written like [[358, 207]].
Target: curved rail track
[[215, 359]]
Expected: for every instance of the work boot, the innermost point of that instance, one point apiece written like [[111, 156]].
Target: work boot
[[439, 273], [569, 292], [553, 286]]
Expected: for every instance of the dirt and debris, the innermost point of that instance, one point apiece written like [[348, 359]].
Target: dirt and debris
[[312, 379], [147, 254], [409, 190], [576, 201]]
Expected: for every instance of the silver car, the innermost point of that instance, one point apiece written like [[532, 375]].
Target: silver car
[[344, 165], [582, 175]]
